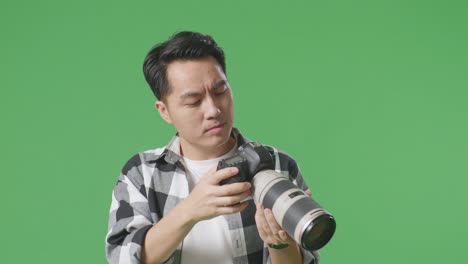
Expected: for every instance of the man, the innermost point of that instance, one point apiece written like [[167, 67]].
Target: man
[[168, 205]]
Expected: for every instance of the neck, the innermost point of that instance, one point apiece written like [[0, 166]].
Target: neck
[[199, 153]]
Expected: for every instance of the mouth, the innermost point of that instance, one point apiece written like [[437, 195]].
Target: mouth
[[216, 128]]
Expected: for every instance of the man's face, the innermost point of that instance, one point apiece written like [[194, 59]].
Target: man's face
[[200, 106]]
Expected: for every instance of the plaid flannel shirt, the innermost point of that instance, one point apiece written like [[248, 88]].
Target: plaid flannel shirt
[[153, 182]]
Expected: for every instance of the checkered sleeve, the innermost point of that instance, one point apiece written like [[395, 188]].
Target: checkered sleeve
[[129, 217]]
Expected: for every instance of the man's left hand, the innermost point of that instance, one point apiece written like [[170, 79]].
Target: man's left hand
[[270, 231]]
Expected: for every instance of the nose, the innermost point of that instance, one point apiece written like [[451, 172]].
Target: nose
[[212, 110]]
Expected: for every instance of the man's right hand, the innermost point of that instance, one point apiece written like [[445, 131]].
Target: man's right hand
[[208, 199]]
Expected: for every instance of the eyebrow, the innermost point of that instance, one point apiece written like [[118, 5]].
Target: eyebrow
[[217, 85]]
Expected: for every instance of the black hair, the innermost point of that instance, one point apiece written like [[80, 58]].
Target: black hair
[[185, 45]]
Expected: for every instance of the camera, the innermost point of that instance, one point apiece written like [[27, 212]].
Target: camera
[[299, 215]]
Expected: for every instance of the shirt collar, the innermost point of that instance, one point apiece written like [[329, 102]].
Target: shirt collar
[[171, 153]]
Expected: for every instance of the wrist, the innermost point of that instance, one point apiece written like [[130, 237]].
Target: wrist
[[185, 215], [290, 254]]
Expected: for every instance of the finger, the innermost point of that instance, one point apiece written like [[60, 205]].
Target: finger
[[233, 188], [261, 222], [269, 236], [232, 209], [233, 199], [280, 236], [308, 192], [283, 235], [270, 218], [222, 174]]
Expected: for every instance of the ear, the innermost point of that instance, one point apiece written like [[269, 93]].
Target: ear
[[163, 111]]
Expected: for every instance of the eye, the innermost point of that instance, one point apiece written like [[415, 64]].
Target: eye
[[193, 104], [221, 91]]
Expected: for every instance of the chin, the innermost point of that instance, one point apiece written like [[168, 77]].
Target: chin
[[218, 140]]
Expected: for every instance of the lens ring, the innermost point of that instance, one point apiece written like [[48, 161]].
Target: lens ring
[[306, 221], [318, 232]]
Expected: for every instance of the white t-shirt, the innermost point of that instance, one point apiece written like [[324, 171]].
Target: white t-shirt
[[209, 241]]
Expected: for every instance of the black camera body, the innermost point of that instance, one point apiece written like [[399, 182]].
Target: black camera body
[[250, 158]]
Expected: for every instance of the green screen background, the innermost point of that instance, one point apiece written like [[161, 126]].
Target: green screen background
[[370, 97]]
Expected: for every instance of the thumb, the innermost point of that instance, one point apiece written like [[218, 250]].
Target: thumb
[[222, 174]]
